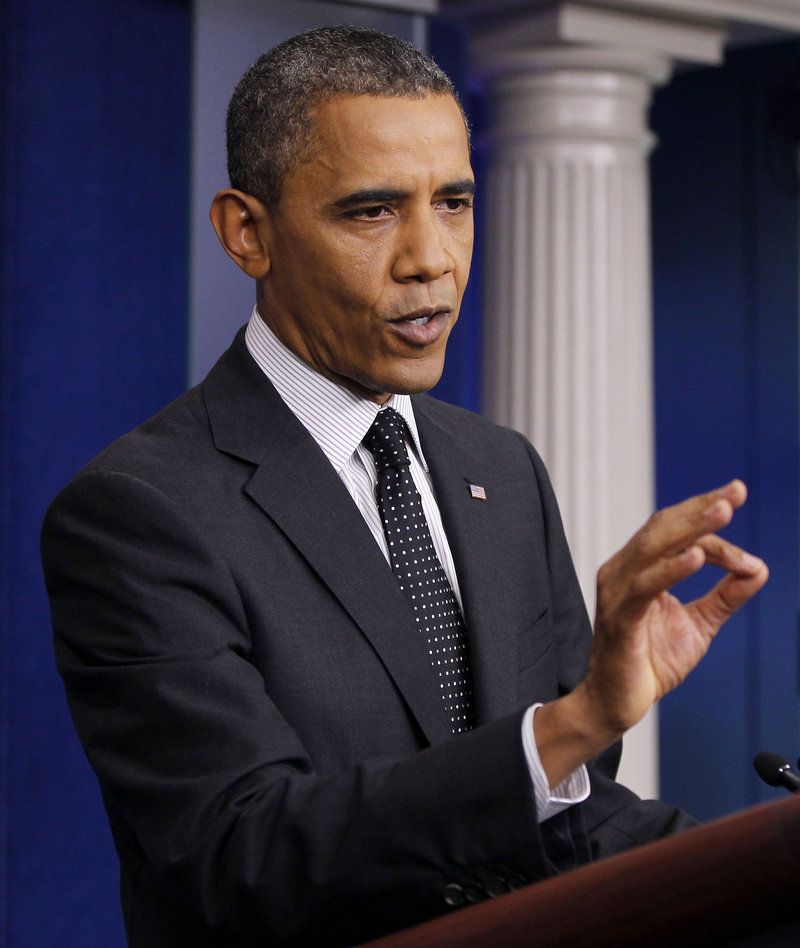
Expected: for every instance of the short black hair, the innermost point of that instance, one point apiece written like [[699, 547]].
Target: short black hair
[[271, 113]]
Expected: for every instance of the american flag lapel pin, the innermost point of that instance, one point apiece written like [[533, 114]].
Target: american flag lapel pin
[[477, 492]]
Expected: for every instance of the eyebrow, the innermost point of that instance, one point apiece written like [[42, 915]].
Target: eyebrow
[[374, 196]]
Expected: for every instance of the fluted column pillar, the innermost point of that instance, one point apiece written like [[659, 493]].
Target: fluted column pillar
[[567, 284]]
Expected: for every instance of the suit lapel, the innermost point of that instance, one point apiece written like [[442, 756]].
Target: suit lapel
[[471, 532], [296, 487]]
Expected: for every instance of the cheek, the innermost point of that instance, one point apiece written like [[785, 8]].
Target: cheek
[[329, 288], [358, 279], [464, 246]]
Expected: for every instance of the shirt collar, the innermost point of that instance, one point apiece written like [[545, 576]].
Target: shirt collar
[[336, 418]]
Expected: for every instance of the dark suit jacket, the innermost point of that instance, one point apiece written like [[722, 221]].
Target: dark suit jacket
[[244, 674]]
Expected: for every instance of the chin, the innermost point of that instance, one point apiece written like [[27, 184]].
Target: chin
[[418, 382], [415, 386], [400, 383]]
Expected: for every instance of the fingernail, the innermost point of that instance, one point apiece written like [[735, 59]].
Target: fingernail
[[751, 562]]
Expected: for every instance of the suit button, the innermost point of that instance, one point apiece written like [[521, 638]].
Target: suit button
[[496, 885], [454, 894], [474, 893]]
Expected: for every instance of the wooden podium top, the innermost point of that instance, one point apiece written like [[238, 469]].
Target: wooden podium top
[[718, 884]]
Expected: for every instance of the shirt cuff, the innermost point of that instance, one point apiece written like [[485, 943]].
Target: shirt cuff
[[573, 790]]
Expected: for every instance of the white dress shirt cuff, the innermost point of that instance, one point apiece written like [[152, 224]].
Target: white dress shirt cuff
[[574, 789]]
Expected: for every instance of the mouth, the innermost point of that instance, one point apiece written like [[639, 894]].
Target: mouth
[[422, 327], [423, 315]]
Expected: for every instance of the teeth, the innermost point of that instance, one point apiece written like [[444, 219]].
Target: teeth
[[421, 320]]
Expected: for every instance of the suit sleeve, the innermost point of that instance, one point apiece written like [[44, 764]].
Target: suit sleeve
[[211, 796]]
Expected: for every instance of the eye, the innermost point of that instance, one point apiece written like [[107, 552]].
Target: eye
[[455, 203], [373, 213]]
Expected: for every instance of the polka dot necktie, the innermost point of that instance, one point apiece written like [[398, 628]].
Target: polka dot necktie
[[417, 567]]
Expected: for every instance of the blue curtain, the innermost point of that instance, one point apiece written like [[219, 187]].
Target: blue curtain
[[725, 225], [95, 106]]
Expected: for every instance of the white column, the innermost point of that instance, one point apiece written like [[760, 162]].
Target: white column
[[567, 308], [567, 305]]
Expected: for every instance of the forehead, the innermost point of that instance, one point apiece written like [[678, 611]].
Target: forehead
[[379, 137]]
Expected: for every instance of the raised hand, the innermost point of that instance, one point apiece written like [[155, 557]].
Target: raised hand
[[646, 641]]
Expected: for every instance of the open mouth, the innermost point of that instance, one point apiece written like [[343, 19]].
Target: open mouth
[[423, 327]]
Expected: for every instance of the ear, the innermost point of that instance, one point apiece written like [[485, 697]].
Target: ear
[[240, 222]]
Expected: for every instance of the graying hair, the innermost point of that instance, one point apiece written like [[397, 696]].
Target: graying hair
[[270, 125]]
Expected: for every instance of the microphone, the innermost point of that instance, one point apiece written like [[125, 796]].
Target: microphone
[[776, 771]]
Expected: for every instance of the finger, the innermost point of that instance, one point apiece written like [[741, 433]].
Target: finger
[[668, 571], [729, 557], [672, 530], [729, 595], [666, 550], [646, 584]]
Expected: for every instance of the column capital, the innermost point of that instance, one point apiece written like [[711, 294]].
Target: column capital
[[779, 15], [640, 36], [580, 35]]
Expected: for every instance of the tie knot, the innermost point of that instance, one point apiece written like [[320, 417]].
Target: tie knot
[[386, 439]]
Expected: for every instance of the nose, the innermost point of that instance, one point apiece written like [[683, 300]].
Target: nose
[[423, 252]]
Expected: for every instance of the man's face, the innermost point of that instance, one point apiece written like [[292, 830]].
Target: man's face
[[370, 246]]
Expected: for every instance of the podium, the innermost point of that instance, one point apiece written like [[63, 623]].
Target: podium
[[732, 882]]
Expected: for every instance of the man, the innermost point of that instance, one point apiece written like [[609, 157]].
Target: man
[[268, 706]]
